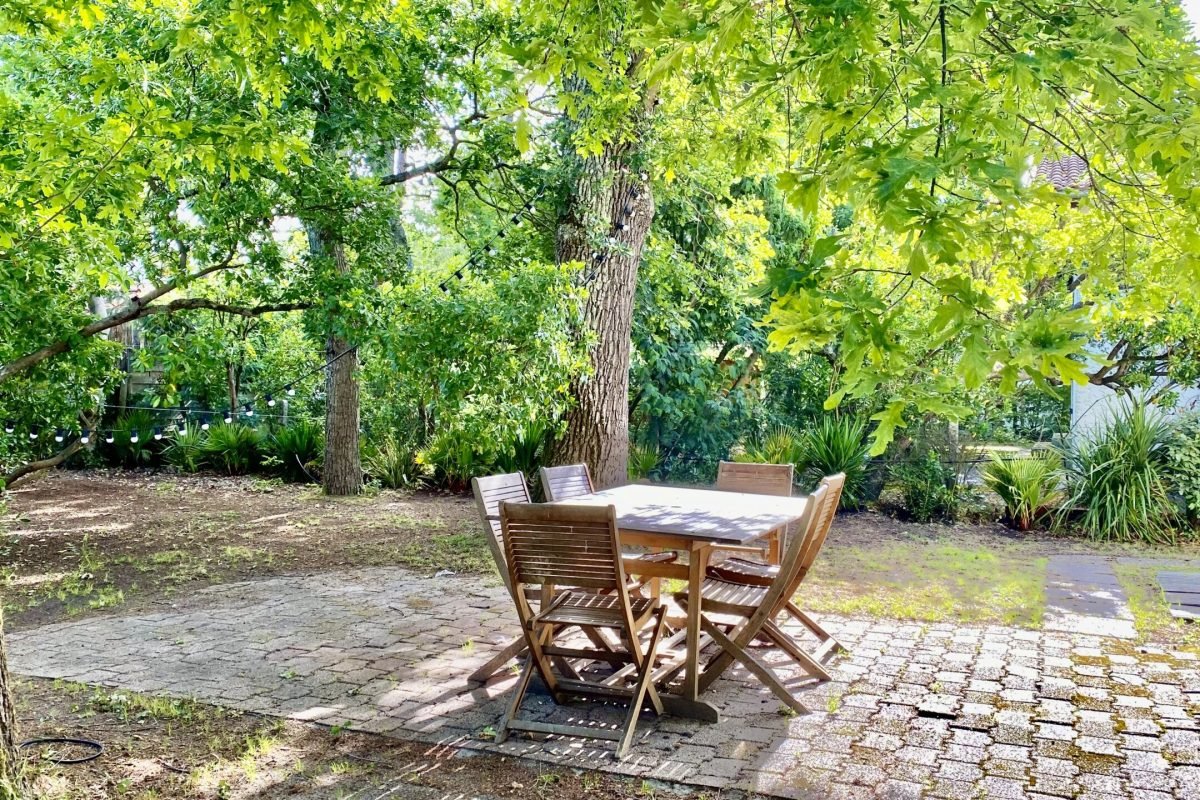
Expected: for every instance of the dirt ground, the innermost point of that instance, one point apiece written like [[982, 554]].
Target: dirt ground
[[160, 748], [93, 542]]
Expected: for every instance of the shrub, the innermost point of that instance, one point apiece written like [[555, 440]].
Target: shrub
[[393, 463], [929, 488], [782, 445], [127, 452], [233, 448], [643, 459], [524, 452], [452, 460], [1117, 476], [1183, 464], [186, 450], [1029, 487], [296, 450], [832, 445]]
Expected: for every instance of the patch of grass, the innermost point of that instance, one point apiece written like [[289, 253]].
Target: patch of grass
[[929, 583], [461, 552], [132, 706], [1151, 613]]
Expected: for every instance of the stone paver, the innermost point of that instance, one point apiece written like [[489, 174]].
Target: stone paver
[[1083, 595], [938, 711]]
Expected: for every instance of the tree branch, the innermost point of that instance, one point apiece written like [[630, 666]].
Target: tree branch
[[193, 303]]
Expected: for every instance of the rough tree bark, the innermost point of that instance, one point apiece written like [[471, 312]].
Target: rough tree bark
[[341, 473], [605, 228], [10, 766]]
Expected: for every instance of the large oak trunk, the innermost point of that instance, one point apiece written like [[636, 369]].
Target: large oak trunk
[[10, 767], [605, 228], [341, 474]]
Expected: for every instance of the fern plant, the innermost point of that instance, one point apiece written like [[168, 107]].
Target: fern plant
[[781, 445], [1029, 487], [233, 448], [1118, 478], [186, 450], [393, 463], [643, 459], [296, 450], [833, 445]]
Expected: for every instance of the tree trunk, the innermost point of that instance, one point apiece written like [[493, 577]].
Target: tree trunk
[[605, 228], [341, 473], [10, 766], [231, 387]]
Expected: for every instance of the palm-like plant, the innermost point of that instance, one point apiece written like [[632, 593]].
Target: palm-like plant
[[781, 445], [1030, 487], [394, 464], [186, 450], [233, 448], [1118, 477], [643, 459], [297, 449], [833, 445]]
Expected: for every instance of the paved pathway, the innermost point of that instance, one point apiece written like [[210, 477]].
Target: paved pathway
[[1083, 595], [939, 711]]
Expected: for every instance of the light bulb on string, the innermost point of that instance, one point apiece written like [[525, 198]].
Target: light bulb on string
[[108, 438], [204, 422], [270, 401], [33, 433], [9, 427], [249, 411], [86, 436], [59, 435], [517, 221], [133, 437], [501, 234], [291, 391], [228, 417], [157, 434]]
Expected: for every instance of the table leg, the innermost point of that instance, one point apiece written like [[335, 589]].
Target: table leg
[[697, 563]]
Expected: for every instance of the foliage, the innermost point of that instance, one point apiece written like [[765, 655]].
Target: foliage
[[782, 445], [139, 425], [296, 449], [836, 444], [643, 460], [451, 459], [929, 488], [1029, 414], [393, 463], [1117, 475], [1183, 463], [1030, 487], [233, 448], [186, 449]]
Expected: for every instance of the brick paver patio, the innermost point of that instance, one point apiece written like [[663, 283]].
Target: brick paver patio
[[915, 710]]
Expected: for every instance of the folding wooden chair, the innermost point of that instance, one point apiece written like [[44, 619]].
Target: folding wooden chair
[[744, 571], [734, 614], [490, 492], [566, 482], [772, 479], [574, 480], [550, 546]]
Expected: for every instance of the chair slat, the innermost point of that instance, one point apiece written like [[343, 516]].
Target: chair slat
[[773, 479], [566, 482]]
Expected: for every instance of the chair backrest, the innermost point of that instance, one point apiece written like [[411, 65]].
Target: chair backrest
[[792, 567], [565, 482], [775, 479], [833, 484], [490, 492]]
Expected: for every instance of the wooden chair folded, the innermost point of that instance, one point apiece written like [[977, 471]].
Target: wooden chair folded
[[753, 573], [490, 492], [770, 479], [550, 546], [734, 614]]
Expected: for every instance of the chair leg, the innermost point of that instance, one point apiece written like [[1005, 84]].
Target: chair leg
[[518, 694], [514, 649], [760, 670], [643, 687], [815, 627], [787, 645]]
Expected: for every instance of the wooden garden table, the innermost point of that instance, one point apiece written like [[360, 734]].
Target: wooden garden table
[[695, 521]]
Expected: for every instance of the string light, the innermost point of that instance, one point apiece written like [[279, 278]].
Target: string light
[[59, 435], [133, 437], [291, 391], [108, 437], [33, 433], [249, 410], [270, 401], [157, 434], [204, 422], [9, 427], [229, 417], [86, 436]]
